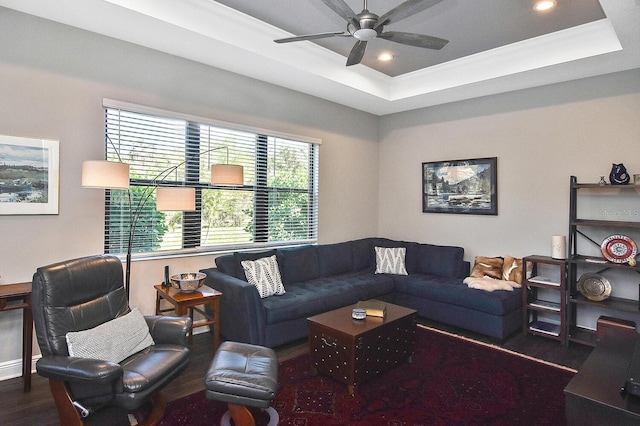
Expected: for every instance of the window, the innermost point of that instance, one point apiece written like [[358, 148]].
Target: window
[[277, 204]]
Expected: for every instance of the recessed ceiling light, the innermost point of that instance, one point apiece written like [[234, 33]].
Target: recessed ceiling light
[[385, 57], [544, 5]]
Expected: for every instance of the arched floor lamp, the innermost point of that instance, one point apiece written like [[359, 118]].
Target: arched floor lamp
[[115, 175]]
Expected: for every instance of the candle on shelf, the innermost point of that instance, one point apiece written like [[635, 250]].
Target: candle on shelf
[[559, 247]]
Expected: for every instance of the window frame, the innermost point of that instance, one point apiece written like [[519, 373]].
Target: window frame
[[191, 233]]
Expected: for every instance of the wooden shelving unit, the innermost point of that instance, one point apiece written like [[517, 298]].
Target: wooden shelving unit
[[536, 310], [583, 231]]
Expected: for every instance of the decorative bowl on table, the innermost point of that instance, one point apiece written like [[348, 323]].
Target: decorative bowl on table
[[187, 282]]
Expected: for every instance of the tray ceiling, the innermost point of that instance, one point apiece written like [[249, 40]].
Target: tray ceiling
[[494, 46]]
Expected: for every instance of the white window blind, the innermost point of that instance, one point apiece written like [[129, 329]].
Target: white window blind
[[276, 205]]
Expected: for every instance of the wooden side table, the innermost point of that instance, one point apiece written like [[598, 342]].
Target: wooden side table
[[183, 302], [18, 296]]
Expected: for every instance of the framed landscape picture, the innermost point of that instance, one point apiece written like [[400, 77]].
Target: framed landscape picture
[[460, 186], [29, 175]]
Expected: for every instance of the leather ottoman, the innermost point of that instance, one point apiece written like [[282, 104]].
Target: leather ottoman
[[243, 375]]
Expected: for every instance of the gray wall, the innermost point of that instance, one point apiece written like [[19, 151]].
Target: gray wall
[[53, 79], [52, 82], [541, 137]]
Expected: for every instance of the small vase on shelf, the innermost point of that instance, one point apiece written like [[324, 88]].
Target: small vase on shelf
[[619, 175]]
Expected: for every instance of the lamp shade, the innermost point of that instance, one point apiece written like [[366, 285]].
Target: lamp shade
[[175, 199], [105, 174], [227, 174]]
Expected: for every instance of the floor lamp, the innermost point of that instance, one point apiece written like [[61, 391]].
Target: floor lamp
[[115, 175]]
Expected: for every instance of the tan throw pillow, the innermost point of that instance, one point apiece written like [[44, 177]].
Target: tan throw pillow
[[512, 269], [487, 267]]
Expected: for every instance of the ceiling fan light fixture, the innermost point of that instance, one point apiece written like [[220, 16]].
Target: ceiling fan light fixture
[[544, 5], [385, 57], [365, 34], [366, 26]]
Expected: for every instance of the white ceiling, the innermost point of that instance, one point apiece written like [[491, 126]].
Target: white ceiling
[[479, 60]]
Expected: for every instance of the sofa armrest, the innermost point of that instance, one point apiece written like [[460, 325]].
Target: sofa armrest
[[169, 329], [242, 314]]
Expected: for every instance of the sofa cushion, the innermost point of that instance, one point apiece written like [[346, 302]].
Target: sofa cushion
[[298, 264], [306, 299], [362, 254], [390, 260], [454, 292], [240, 256], [335, 259], [265, 275], [412, 256], [227, 265], [443, 261]]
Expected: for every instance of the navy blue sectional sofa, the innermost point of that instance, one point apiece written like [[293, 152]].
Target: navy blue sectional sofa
[[320, 278]]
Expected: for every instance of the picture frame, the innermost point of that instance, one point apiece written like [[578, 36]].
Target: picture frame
[[461, 186], [29, 175]]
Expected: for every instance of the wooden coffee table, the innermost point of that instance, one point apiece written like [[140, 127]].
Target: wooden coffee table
[[352, 351]]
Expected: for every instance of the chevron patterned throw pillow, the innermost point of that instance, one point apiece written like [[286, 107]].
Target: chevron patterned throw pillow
[[265, 275], [390, 260]]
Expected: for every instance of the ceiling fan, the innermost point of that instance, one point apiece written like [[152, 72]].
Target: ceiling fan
[[366, 26]]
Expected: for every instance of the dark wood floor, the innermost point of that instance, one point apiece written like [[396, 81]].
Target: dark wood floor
[[37, 407]]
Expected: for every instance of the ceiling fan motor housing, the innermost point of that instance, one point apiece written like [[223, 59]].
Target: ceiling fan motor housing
[[367, 22]]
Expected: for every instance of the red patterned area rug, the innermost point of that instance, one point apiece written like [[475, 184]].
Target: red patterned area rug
[[450, 381]]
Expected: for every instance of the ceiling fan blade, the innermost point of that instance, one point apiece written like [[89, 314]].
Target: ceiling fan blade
[[341, 8], [311, 37], [404, 10], [417, 40], [357, 53]]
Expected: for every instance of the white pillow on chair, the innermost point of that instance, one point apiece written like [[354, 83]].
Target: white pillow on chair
[[112, 341]]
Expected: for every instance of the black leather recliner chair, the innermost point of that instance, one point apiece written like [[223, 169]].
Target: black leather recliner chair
[[81, 294]]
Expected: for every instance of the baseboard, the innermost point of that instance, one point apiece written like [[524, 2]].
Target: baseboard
[[13, 368]]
